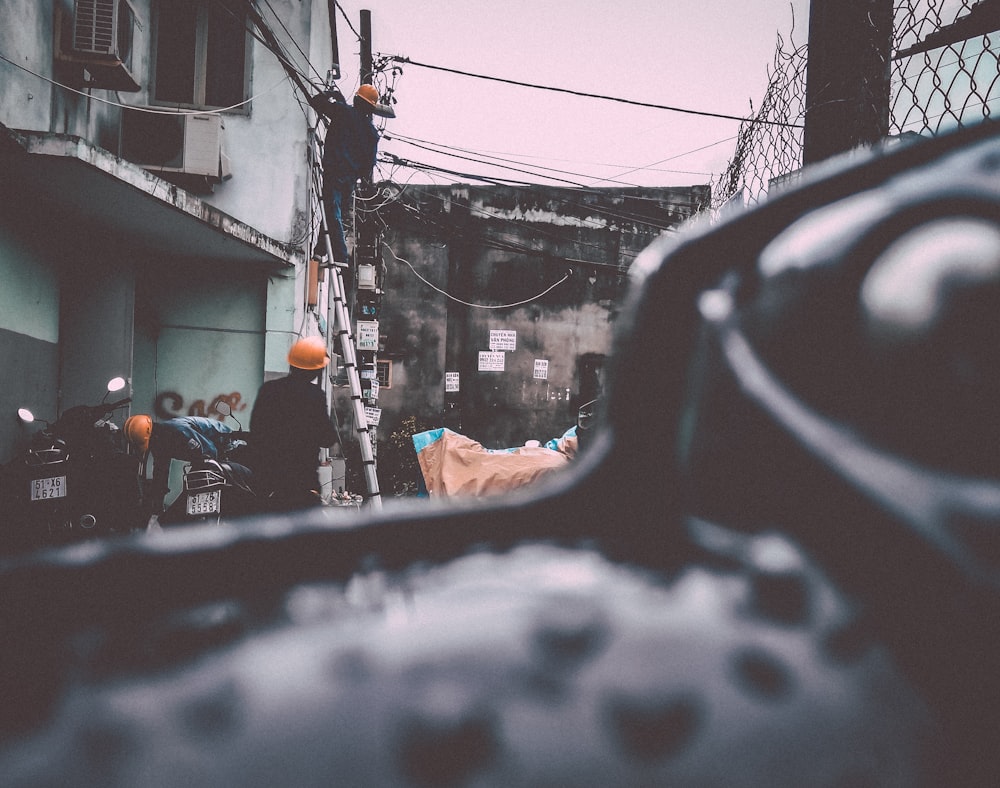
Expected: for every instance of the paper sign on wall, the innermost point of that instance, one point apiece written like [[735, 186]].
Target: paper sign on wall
[[450, 382], [541, 369], [367, 337], [373, 415], [503, 340], [490, 361]]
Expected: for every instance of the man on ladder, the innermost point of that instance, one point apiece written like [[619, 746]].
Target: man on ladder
[[349, 151], [348, 154]]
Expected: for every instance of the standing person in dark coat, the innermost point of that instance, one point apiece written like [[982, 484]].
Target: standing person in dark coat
[[290, 424], [348, 154]]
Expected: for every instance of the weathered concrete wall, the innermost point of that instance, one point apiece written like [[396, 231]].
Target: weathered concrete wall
[[549, 265], [29, 334], [69, 294]]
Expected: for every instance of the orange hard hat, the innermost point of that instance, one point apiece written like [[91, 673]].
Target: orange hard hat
[[138, 429], [309, 353], [369, 94]]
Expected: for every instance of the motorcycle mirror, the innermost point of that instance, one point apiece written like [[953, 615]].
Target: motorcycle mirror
[[116, 384], [25, 415], [223, 409]]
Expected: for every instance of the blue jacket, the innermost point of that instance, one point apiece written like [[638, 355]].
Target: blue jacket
[[186, 438]]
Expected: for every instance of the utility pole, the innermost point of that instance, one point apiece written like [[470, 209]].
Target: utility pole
[[366, 46], [458, 370], [847, 81], [368, 269]]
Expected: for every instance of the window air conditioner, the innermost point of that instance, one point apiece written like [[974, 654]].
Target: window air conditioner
[[103, 36], [175, 143]]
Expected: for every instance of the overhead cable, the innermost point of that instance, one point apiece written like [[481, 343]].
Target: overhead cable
[[138, 108], [503, 163], [469, 303], [523, 248], [390, 158], [400, 59], [294, 42]]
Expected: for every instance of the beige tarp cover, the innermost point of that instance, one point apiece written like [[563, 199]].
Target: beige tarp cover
[[454, 464]]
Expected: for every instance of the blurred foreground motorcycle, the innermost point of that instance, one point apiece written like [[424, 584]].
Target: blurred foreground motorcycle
[[784, 573], [73, 482]]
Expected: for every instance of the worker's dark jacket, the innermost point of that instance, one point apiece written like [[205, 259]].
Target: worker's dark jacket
[[350, 146], [289, 425]]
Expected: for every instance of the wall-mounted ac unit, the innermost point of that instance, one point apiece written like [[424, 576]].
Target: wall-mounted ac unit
[[175, 143], [102, 40]]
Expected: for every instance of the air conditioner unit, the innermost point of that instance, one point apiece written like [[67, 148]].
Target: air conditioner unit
[[169, 142], [102, 40]]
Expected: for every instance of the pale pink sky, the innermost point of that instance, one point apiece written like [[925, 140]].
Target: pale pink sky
[[706, 55]]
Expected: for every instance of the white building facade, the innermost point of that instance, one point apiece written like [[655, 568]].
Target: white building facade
[[155, 212]]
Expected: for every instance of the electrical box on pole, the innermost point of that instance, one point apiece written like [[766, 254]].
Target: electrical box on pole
[[331, 6]]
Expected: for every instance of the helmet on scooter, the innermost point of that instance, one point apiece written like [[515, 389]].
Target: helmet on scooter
[[309, 353], [138, 430]]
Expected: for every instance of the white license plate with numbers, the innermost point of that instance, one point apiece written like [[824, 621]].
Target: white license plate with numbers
[[52, 487], [205, 502]]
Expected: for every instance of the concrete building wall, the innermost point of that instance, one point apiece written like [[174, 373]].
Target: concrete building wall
[[202, 342], [207, 344], [78, 307], [266, 141], [26, 99], [29, 335], [546, 266], [268, 145]]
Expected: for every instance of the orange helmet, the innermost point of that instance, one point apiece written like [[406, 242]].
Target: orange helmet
[[138, 429], [309, 353], [369, 94]]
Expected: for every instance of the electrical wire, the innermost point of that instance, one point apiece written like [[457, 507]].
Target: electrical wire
[[400, 59], [137, 108], [291, 38], [443, 149], [591, 225], [669, 158], [347, 19], [520, 248], [427, 168], [420, 145], [469, 303], [593, 191]]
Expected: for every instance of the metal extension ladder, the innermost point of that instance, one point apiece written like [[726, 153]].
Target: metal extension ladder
[[342, 330]]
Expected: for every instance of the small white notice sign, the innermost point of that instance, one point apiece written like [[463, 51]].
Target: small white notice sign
[[503, 340], [373, 415], [541, 369], [490, 361], [450, 382], [367, 338]]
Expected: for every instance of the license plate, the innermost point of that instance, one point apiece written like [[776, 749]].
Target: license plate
[[43, 489], [205, 502]]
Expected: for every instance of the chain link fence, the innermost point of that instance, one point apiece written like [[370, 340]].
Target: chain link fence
[[944, 73]]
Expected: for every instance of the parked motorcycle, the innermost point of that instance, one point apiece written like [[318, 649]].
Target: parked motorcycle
[[217, 489], [75, 480]]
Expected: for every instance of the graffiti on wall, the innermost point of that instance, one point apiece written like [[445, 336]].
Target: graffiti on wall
[[170, 405]]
